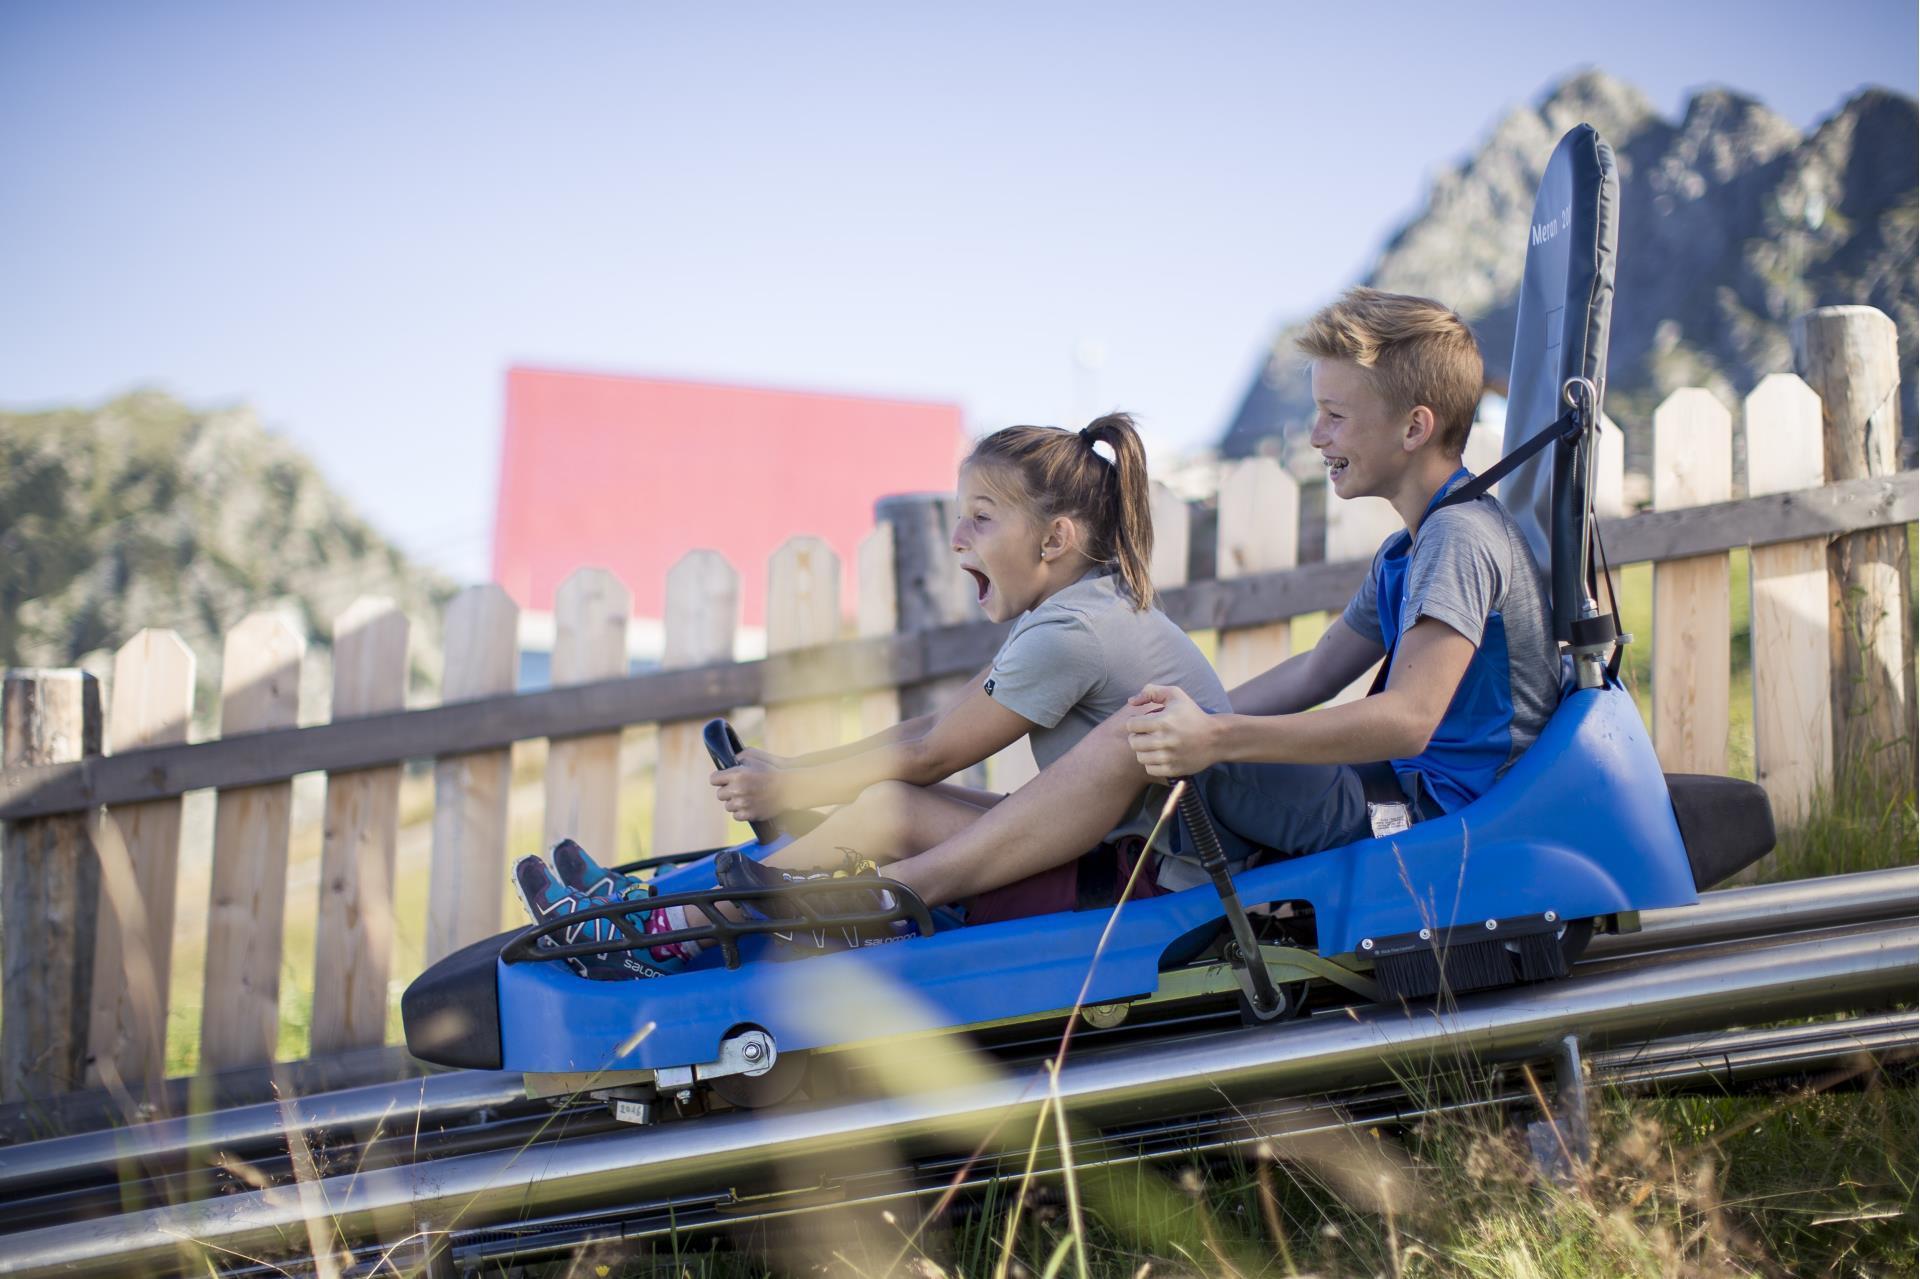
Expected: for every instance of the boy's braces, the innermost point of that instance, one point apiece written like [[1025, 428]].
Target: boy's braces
[[527, 948]]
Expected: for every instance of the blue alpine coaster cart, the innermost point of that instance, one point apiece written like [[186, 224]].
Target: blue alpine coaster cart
[[1581, 834]]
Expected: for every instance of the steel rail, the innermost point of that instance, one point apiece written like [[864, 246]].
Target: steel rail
[[429, 1099], [1715, 1062], [1724, 915], [1661, 995], [1794, 906]]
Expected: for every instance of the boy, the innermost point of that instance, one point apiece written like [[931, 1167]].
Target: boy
[[1457, 599]]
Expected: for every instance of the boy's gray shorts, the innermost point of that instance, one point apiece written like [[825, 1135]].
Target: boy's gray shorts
[[1289, 809]]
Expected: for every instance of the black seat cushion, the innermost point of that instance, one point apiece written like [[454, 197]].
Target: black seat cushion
[[1726, 824]]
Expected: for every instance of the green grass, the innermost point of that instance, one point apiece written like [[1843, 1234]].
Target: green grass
[[1821, 1183]]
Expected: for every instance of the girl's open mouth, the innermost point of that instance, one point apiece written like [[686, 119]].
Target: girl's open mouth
[[1334, 465], [981, 584]]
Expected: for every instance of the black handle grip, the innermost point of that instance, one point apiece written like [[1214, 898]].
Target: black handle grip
[[723, 747]]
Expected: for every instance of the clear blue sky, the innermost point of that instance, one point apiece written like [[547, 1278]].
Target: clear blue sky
[[355, 216]]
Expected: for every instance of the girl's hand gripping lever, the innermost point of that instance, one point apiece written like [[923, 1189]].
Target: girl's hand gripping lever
[[723, 746]]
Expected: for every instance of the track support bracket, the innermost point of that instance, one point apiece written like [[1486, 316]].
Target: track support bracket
[[1561, 1140]]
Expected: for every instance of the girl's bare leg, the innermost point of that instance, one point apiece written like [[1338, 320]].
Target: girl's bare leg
[[889, 820], [1051, 820]]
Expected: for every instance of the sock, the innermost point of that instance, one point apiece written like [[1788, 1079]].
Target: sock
[[667, 919]]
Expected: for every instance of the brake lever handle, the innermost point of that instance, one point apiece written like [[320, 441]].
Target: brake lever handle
[[723, 747]]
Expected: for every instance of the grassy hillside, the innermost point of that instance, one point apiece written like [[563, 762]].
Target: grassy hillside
[[145, 512]]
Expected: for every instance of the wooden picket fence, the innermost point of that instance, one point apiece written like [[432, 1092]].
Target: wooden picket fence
[[93, 821]]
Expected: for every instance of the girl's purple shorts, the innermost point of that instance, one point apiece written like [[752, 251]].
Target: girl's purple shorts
[[1092, 881]]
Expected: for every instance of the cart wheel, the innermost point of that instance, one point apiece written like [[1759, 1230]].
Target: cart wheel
[[1293, 1001], [755, 1092], [1574, 938]]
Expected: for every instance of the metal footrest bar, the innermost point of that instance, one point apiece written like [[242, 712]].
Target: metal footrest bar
[[539, 944]]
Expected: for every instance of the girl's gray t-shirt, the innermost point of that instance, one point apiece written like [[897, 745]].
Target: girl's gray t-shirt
[[1076, 658]]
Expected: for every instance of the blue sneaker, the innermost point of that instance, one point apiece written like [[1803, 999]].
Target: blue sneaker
[[547, 899], [582, 874]]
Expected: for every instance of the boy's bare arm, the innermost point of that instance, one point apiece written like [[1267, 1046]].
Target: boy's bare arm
[[1307, 679], [1427, 668]]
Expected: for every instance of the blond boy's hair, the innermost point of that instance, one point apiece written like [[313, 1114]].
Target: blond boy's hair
[[1418, 352]]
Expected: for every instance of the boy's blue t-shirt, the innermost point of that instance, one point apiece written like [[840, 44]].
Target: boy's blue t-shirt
[[1471, 568]]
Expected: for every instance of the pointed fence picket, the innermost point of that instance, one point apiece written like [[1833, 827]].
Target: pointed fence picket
[[1172, 537], [803, 610], [877, 615], [240, 1007], [1259, 532], [590, 613], [811, 687], [468, 869], [353, 938], [702, 614], [139, 846], [1792, 723], [1692, 633]]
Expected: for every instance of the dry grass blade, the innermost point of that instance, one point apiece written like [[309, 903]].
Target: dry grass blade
[[307, 1184]]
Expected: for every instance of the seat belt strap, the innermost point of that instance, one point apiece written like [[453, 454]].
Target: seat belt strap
[[1566, 426]]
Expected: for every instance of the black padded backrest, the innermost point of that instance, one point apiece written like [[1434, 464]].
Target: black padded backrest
[[1726, 824], [1560, 332]]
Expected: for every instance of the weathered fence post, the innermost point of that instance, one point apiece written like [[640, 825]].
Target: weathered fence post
[[1850, 356], [467, 881], [930, 591], [1692, 632], [803, 610], [139, 847], [49, 887], [353, 932], [702, 613], [1792, 722], [1259, 532], [246, 908], [591, 610]]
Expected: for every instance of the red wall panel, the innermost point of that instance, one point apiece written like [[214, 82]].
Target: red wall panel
[[631, 473]]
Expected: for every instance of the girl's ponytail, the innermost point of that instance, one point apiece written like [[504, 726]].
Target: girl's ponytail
[[1058, 472], [1129, 525]]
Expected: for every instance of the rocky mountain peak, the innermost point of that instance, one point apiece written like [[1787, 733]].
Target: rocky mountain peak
[[1732, 223]]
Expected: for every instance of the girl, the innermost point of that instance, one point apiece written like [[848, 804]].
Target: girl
[[1056, 536], [1057, 539]]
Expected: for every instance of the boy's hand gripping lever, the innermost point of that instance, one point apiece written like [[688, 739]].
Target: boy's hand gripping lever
[[1243, 955], [723, 745]]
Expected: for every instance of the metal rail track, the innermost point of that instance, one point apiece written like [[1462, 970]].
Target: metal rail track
[[1621, 999], [502, 1119], [1713, 1063], [432, 1108]]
